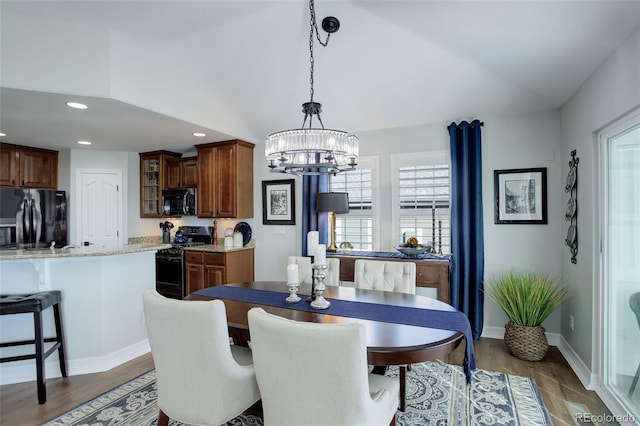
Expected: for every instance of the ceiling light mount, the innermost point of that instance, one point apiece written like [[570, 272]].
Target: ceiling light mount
[[330, 24], [309, 150]]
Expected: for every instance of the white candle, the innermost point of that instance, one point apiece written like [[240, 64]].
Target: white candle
[[292, 273], [312, 242], [320, 257]]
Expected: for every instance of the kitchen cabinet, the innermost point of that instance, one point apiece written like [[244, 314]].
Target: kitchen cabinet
[[181, 173], [225, 179], [27, 167], [206, 269], [152, 170], [432, 273]]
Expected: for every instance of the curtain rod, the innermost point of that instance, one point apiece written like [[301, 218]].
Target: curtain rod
[[481, 125]]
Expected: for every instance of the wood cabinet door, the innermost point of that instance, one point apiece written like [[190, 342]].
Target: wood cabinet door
[[225, 192], [189, 168], [172, 175], [38, 169], [240, 266], [8, 166], [150, 187], [214, 275], [195, 277], [206, 164]]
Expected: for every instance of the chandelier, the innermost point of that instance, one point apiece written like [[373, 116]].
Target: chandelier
[[312, 150]]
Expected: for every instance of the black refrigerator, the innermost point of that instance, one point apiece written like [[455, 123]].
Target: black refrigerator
[[32, 218]]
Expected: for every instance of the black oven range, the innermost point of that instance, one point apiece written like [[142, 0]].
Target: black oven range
[[170, 268]]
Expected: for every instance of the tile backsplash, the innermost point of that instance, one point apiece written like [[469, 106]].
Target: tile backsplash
[[145, 240]]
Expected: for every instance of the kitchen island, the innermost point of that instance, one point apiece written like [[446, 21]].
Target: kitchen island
[[101, 305]]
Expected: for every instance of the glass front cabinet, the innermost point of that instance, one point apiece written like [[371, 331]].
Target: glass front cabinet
[[152, 170]]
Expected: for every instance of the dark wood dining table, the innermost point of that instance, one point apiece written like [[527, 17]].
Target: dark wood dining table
[[387, 343]]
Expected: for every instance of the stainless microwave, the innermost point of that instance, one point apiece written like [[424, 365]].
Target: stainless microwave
[[179, 202]]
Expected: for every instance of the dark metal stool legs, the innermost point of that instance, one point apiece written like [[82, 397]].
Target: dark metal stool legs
[[60, 340], [37, 303]]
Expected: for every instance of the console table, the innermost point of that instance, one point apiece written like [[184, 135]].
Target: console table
[[430, 272]]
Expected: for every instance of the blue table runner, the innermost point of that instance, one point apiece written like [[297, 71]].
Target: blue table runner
[[420, 317], [389, 255]]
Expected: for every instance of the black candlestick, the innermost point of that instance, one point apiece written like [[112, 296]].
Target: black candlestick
[[312, 297]]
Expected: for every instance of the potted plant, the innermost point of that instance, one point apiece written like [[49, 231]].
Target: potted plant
[[527, 298]]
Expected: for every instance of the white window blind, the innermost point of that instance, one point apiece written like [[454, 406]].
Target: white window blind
[[357, 226], [421, 194]]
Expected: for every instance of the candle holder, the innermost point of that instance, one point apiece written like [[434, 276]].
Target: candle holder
[[433, 228], [293, 290], [312, 296], [319, 302]]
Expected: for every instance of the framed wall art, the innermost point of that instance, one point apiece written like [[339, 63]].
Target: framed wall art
[[278, 202], [520, 196]]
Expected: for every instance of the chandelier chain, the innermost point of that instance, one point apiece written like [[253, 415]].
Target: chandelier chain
[[308, 150], [313, 24]]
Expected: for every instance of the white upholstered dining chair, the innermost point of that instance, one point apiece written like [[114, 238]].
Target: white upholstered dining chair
[[316, 374], [385, 275], [201, 379], [332, 277]]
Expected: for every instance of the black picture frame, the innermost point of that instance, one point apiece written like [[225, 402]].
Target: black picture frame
[[520, 196], [279, 202]]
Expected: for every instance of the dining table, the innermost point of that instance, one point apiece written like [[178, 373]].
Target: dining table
[[388, 343]]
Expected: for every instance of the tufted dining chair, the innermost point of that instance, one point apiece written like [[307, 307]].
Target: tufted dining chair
[[385, 275], [201, 379], [300, 386], [634, 303], [332, 277]]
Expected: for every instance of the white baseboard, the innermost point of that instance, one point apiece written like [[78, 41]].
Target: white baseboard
[[25, 371], [491, 332], [586, 377]]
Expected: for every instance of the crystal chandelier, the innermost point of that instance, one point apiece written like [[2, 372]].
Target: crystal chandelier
[[309, 150]]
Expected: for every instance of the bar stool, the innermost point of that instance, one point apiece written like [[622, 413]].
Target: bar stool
[[36, 303]]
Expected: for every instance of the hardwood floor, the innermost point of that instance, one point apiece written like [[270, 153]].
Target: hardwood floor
[[557, 383]]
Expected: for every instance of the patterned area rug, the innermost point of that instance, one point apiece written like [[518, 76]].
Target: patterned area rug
[[437, 394]]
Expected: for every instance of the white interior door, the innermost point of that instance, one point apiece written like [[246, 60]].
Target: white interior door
[[99, 202]]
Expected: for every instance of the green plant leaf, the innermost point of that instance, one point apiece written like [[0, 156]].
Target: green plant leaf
[[526, 297]]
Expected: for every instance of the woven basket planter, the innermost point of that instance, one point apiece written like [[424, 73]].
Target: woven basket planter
[[527, 343]]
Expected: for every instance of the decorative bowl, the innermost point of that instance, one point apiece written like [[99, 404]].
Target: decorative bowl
[[413, 251]]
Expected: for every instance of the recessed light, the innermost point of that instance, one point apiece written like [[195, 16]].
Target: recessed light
[[199, 134], [2, 134], [76, 105], [84, 143]]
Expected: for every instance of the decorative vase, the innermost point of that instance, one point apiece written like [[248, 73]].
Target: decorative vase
[[527, 343]]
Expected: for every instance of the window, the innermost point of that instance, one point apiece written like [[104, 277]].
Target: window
[[358, 226], [421, 198]]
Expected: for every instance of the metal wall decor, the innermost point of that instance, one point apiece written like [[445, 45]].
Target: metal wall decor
[[571, 212]]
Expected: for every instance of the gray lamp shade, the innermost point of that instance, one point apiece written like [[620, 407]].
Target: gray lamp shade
[[337, 202]]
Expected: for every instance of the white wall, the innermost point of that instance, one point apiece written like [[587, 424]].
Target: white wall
[[608, 94], [48, 56]]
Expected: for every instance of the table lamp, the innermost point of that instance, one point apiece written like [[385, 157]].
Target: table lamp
[[333, 203]]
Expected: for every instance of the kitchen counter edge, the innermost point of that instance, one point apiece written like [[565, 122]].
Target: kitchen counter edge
[[217, 248], [80, 252]]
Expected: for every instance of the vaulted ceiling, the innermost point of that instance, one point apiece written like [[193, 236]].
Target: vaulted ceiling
[[153, 72]]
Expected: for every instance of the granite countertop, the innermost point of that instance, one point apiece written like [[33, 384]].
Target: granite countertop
[[219, 248], [80, 251]]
